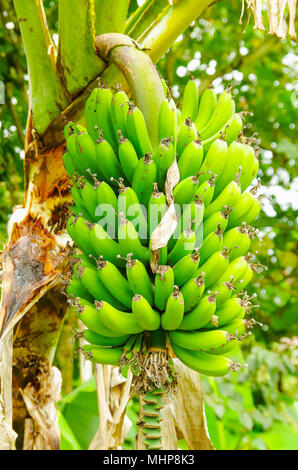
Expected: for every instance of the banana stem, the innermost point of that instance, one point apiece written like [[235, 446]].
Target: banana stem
[[151, 418], [110, 15], [47, 94], [77, 59], [140, 74], [158, 339]]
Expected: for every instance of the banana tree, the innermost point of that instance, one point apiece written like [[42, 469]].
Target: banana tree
[[37, 251]]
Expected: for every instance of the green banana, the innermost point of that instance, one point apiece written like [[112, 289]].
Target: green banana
[[71, 144], [186, 268], [234, 128], [157, 208], [115, 282], [214, 161], [107, 160], [207, 106], [204, 363], [104, 116], [144, 314], [238, 241], [76, 289], [129, 241], [187, 133], [185, 191], [92, 283], [224, 291], [128, 157], [228, 197], [249, 167], [212, 243], [190, 161], [254, 211], [231, 309], [78, 209], [137, 131], [164, 157], [218, 218], [89, 199], [238, 327], [232, 167], [69, 166], [235, 270], [214, 267], [104, 245], [184, 245], [199, 340], [102, 355], [119, 109], [86, 152], [120, 322], [167, 120], [205, 191], [88, 314], [90, 114], [79, 230], [192, 291], [99, 340], [129, 206], [173, 315], [143, 178], [190, 101], [139, 280], [163, 286], [200, 315], [223, 111], [243, 207]]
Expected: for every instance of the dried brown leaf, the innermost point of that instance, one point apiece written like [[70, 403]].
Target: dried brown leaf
[[187, 406], [40, 399]]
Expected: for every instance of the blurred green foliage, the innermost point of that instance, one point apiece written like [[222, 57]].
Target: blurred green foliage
[[257, 407]]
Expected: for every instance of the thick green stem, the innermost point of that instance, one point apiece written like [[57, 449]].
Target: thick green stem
[[77, 59], [110, 16], [140, 73], [148, 16], [135, 16], [151, 419], [48, 96], [170, 24]]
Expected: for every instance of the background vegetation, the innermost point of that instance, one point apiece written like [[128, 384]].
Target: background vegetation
[[255, 408]]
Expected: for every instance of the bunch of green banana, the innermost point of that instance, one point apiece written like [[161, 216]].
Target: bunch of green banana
[[194, 298]]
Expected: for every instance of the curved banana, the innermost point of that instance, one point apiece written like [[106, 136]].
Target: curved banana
[[206, 108], [115, 282], [192, 291], [143, 178], [137, 131], [102, 355], [163, 286], [167, 120], [139, 280], [123, 323], [99, 340], [190, 101], [144, 314], [173, 315], [187, 133], [186, 268], [128, 157], [203, 362], [200, 315], [190, 161]]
